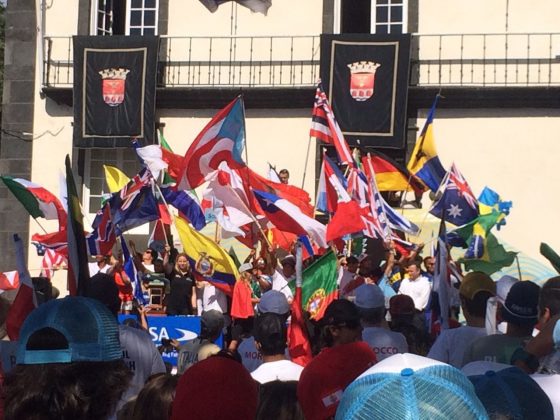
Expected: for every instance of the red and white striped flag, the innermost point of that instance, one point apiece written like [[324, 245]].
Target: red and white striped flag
[[325, 128], [51, 261]]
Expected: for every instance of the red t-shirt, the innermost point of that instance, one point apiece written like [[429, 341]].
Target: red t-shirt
[[125, 288]]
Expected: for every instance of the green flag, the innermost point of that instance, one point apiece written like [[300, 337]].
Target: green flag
[[550, 255], [233, 256], [496, 257], [318, 289]]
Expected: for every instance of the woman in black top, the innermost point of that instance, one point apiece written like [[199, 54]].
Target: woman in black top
[[181, 299]]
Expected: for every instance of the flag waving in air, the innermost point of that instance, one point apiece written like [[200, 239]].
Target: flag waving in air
[[424, 161], [325, 128], [344, 220], [457, 204], [221, 270], [223, 139], [78, 270], [37, 200], [318, 288], [288, 217]]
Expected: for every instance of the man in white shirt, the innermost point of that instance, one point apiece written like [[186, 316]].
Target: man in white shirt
[[271, 341], [211, 298], [282, 279], [99, 266], [370, 301], [348, 274], [416, 286], [475, 290]]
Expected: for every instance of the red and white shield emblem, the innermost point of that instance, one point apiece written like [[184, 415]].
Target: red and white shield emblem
[[362, 79], [113, 85]]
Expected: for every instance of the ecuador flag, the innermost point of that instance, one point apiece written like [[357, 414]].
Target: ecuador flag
[[223, 272]]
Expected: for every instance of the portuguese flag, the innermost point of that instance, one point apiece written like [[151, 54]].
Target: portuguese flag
[[37, 200], [319, 285]]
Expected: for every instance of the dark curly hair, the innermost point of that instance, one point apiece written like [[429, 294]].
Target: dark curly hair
[[64, 391]]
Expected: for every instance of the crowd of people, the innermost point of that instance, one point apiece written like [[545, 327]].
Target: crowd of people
[[381, 349]]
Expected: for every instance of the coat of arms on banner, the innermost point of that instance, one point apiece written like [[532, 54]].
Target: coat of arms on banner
[[362, 79], [114, 85]]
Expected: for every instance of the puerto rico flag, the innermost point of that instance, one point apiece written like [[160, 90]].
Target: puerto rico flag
[[223, 139]]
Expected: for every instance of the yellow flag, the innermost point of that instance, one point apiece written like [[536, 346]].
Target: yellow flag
[[115, 178], [195, 245]]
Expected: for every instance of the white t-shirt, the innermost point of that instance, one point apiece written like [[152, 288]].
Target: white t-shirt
[[141, 356], [94, 269], [550, 384], [250, 356], [281, 370], [280, 283], [346, 278], [450, 345], [419, 290], [384, 342], [213, 298]]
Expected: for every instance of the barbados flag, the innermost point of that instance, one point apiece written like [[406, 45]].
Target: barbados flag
[[424, 161]]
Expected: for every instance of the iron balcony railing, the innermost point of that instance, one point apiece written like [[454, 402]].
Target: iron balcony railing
[[513, 59]]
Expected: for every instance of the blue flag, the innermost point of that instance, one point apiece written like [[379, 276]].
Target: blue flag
[[134, 210], [186, 205], [457, 203], [132, 273]]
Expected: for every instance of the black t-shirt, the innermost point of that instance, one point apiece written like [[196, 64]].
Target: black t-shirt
[[179, 298]]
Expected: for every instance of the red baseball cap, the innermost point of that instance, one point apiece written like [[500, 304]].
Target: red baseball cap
[[324, 379]]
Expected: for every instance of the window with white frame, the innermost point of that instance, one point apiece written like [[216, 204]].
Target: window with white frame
[[142, 17], [104, 18], [125, 17], [388, 16], [95, 187]]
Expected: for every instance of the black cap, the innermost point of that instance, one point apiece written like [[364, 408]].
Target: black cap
[[341, 311], [521, 305]]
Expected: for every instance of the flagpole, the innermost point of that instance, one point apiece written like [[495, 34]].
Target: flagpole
[[299, 264], [518, 267], [244, 131], [41, 226], [306, 162], [167, 207]]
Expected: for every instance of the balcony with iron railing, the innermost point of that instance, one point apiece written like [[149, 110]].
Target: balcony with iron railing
[[292, 62]]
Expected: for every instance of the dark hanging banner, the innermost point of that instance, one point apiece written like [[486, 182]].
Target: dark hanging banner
[[366, 79], [114, 90]]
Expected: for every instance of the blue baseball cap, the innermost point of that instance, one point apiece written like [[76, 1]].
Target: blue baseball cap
[[88, 328], [407, 386], [512, 393]]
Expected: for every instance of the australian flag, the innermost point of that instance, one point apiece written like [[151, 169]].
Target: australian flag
[[135, 204], [133, 211], [457, 204]]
